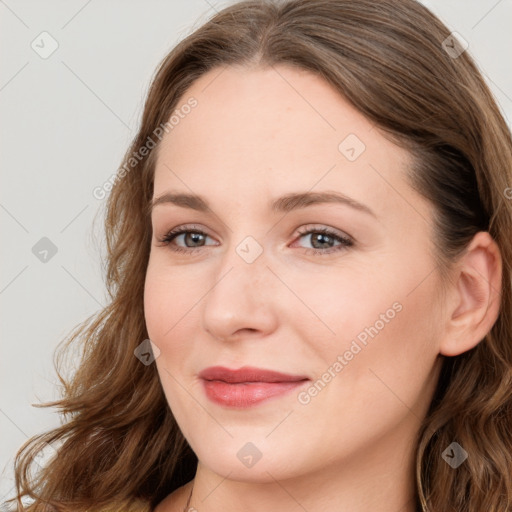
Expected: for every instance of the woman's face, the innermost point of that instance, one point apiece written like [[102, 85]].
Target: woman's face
[[350, 315]]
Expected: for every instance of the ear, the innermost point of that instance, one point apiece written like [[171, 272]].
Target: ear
[[474, 298]]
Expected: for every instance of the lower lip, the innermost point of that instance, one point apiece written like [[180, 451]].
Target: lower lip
[[246, 394]]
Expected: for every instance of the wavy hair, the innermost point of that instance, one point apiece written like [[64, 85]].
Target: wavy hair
[[394, 61]]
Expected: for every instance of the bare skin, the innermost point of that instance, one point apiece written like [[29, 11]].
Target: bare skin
[[347, 444]]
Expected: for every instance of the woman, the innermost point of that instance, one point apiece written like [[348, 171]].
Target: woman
[[237, 368]]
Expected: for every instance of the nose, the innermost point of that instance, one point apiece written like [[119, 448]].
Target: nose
[[242, 300]]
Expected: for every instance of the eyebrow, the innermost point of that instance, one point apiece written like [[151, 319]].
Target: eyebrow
[[284, 204]]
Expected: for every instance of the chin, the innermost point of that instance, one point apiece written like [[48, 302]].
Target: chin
[[265, 470]]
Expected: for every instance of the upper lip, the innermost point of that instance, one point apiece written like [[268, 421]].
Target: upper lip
[[247, 374]]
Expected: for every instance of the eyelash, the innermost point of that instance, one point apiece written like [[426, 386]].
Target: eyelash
[[345, 242]]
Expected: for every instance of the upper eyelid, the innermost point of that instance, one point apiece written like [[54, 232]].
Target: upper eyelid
[[304, 230]]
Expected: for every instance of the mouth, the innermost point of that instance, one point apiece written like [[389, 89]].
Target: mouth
[[247, 386]]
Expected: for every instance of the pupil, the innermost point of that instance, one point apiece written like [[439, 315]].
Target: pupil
[[195, 237], [321, 236]]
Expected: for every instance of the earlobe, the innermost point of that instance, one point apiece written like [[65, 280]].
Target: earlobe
[[476, 293]]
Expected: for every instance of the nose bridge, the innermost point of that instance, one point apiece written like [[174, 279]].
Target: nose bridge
[[241, 295], [246, 259]]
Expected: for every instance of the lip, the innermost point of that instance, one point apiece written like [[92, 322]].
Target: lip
[[247, 386]]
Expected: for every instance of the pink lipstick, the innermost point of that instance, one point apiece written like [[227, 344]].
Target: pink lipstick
[[246, 386]]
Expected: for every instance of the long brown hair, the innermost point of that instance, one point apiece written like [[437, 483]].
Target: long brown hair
[[390, 59]]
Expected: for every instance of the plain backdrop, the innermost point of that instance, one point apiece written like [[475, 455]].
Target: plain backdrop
[[73, 78]]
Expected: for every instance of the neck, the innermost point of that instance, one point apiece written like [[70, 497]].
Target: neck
[[378, 480]]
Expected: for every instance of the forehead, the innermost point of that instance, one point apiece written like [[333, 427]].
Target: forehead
[[263, 132]]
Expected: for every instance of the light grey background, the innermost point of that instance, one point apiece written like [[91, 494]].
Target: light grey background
[[66, 121]]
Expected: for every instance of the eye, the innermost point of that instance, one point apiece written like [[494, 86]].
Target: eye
[[187, 234], [323, 238]]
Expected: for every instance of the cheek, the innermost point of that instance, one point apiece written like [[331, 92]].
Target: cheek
[[378, 370], [163, 301], [170, 310], [166, 314], [383, 323], [343, 305], [387, 341]]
